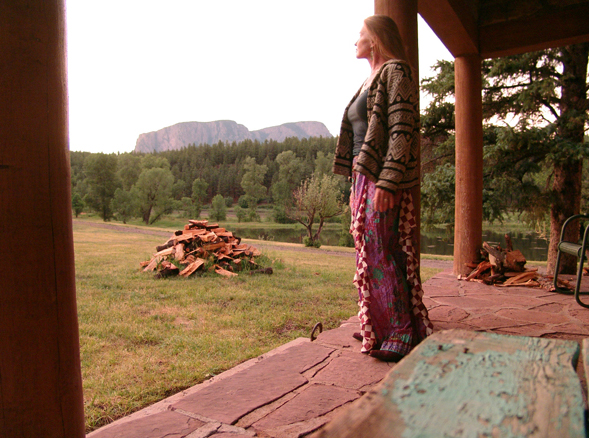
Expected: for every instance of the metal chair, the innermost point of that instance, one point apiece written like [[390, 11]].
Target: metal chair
[[575, 249]]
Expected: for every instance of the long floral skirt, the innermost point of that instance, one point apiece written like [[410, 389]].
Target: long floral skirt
[[392, 314]]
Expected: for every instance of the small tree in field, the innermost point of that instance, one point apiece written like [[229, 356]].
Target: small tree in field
[[218, 208], [316, 199]]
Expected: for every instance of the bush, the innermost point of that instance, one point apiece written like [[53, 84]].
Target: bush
[[279, 215], [240, 213], [310, 243]]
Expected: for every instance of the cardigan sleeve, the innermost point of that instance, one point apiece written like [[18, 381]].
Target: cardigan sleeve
[[402, 119]]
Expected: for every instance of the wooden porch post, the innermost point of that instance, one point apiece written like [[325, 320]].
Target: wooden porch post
[[404, 13], [40, 379], [469, 162]]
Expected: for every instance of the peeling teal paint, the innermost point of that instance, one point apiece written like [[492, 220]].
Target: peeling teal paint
[[482, 394]]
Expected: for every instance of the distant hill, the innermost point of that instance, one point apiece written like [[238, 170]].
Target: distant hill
[[182, 134]]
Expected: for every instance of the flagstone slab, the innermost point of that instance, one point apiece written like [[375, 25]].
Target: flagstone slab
[[579, 313], [448, 313], [340, 337], [441, 291], [550, 307], [316, 400], [468, 302], [522, 315], [167, 424], [337, 373], [512, 300], [492, 321], [229, 399]]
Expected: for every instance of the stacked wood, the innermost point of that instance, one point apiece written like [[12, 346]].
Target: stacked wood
[[502, 267], [187, 251]]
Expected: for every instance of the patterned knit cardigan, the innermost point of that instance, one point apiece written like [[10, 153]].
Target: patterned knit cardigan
[[389, 154]]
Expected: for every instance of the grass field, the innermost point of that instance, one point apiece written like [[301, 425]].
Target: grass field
[[144, 339]]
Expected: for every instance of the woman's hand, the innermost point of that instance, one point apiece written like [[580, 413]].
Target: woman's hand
[[383, 200]]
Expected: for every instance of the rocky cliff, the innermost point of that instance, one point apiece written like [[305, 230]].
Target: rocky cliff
[[183, 134]]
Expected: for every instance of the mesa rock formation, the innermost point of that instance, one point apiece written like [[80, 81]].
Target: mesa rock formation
[[182, 134]]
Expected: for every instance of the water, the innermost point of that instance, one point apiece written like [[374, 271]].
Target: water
[[439, 242]]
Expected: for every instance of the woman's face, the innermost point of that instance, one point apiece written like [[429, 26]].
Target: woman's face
[[363, 44]]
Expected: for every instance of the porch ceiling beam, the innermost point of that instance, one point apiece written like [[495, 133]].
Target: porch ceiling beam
[[454, 22], [550, 29]]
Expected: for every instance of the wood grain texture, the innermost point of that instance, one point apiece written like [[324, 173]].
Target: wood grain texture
[[459, 383]]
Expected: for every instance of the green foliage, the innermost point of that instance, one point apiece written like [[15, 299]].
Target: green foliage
[[240, 213], [243, 201], [346, 238], [77, 204], [129, 168], [218, 210], [528, 133], [317, 198], [199, 191], [323, 163], [218, 169], [310, 243], [123, 205], [153, 192], [287, 178], [102, 182], [252, 180]]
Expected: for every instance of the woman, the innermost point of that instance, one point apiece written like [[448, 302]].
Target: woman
[[377, 148]]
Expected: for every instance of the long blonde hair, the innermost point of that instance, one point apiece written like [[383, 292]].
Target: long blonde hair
[[388, 39]]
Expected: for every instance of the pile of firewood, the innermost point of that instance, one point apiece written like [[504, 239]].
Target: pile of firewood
[[506, 267], [188, 250]]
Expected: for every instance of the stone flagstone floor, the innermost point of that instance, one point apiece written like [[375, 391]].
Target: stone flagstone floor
[[296, 388]]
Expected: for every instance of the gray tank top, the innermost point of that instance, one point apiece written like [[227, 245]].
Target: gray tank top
[[358, 117]]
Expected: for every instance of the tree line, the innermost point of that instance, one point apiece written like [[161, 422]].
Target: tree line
[[149, 186]]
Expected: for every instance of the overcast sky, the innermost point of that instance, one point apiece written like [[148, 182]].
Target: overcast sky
[[136, 66]]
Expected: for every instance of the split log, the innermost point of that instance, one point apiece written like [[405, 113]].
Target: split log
[[482, 267], [179, 253], [225, 273], [521, 278], [496, 258], [514, 261], [192, 268], [167, 270]]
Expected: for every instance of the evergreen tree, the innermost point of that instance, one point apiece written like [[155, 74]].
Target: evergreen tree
[[536, 108]]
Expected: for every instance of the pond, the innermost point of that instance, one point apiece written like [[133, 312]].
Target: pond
[[532, 246]]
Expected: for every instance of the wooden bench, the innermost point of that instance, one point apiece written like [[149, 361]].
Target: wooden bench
[[459, 383]]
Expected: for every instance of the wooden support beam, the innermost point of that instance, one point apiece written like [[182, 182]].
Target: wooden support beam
[[404, 13], [454, 22], [468, 224], [40, 378], [557, 28]]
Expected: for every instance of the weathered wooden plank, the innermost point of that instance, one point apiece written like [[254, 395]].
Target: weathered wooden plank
[[466, 384]]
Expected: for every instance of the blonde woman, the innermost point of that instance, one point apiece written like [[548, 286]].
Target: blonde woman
[[377, 148]]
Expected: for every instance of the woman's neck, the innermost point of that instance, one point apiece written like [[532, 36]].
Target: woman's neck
[[376, 63]]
